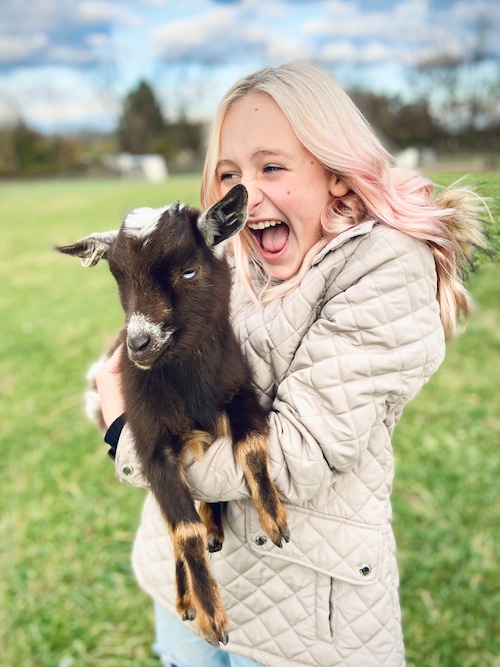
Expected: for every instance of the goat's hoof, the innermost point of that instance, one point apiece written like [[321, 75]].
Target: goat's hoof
[[216, 640], [189, 614], [281, 533], [213, 641], [285, 533], [214, 544]]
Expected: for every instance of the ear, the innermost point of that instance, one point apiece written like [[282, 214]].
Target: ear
[[225, 217], [91, 249], [337, 187]]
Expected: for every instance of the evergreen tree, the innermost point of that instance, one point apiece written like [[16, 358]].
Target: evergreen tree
[[142, 127]]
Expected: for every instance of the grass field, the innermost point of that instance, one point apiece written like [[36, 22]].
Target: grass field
[[68, 596]]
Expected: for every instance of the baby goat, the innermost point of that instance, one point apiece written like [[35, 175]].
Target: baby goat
[[185, 380]]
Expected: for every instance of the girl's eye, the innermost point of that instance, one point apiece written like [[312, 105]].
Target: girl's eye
[[271, 168], [227, 177], [189, 274]]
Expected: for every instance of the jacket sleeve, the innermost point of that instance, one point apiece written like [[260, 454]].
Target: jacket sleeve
[[127, 465], [376, 339], [219, 467]]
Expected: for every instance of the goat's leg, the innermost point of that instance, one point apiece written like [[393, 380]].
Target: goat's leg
[[198, 441], [249, 430], [251, 452], [203, 600], [211, 515], [184, 603], [198, 594]]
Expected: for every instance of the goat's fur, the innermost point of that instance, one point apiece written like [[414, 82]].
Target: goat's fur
[[185, 380]]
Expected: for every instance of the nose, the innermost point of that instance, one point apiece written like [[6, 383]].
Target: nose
[[138, 343], [255, 196]]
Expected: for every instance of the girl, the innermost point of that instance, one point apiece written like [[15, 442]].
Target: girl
[[346, 284]]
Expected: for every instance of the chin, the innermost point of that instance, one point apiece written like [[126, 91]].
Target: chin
[[281, 273]]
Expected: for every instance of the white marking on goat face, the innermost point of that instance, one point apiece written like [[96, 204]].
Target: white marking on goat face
[[140, 325], [142, 222]]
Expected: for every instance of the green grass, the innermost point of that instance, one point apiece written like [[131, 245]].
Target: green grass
[[67, 526]]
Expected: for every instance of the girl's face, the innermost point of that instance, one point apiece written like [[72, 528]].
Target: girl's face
[[288, 189]]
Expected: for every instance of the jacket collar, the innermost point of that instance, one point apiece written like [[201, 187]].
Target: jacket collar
[[351, 233]]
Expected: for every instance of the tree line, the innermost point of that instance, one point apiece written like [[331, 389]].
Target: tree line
[[143, 128]]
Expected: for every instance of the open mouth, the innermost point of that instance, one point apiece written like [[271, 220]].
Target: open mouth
[[271, 235], [144, 360]]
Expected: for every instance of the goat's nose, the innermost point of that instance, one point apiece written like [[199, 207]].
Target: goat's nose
[[138, 343]]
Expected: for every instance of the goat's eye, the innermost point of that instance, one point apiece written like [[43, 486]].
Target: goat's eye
[[189, 274]]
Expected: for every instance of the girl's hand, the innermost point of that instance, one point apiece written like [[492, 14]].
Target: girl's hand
[[109, 388]]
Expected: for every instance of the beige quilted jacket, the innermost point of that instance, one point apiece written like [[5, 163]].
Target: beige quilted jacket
[[336, 361]]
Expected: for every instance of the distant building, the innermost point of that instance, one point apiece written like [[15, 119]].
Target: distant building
[[151, 168], [410, 157]]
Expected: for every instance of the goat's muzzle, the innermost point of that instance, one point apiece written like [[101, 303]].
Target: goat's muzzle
[[142, 351], [146, 341], [137, 352], [141, 356], [138, 343]]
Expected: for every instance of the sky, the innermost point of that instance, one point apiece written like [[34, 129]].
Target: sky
[[66, 65]]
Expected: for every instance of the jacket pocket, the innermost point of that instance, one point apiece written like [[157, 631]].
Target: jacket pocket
[[349, 551], [322, 552]]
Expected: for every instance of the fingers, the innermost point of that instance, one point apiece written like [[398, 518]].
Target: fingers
[[108, 383]]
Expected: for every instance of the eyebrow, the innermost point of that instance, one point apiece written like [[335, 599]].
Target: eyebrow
[[265, 153], [262, 153], [224, 163]]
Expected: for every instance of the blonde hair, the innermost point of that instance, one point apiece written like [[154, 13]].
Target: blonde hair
[[331, 127]]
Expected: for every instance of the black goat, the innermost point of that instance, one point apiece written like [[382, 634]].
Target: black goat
[[185, 380]]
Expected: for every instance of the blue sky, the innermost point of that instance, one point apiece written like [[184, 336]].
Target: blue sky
[[66, 64]]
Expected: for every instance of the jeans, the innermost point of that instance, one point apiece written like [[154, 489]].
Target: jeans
[[177, 645]]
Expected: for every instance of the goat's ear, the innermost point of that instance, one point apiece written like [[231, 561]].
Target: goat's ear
[[91, 249], [225, 217]]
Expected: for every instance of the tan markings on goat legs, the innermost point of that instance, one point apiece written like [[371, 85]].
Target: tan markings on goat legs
[[184, 602], [252, 455], [211, 515], [198, 441], [190, 541], [223, 426]]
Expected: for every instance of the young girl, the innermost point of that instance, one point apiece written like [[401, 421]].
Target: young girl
[[347, 282]]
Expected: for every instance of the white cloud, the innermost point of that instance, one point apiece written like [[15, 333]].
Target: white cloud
[[14, 47], [63, 102], [59, 31], [215, 36], [185, 46], [342, 51], [92, 11]]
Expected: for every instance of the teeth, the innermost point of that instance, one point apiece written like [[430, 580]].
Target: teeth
[[264, 225]]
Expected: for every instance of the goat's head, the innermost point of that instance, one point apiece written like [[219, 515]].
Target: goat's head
[[173, 281]]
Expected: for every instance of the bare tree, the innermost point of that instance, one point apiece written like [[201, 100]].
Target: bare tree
[[469, 82]]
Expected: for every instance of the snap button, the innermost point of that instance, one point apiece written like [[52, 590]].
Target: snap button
[[127, 470], [260, 540], [365, 570]]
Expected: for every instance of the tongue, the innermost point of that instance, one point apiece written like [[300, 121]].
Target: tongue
[[273, 239]]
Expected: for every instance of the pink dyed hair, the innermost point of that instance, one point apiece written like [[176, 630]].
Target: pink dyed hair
[[332, 128]]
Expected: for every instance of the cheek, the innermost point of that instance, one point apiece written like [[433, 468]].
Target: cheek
[[312, 229], [291, 200], [221, 189]]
